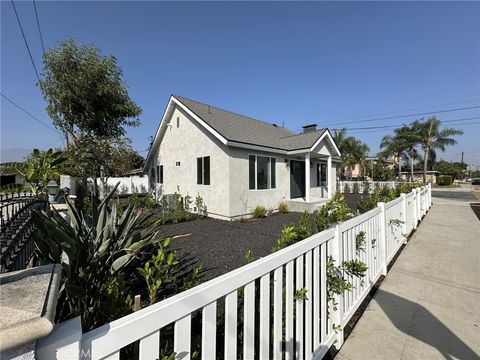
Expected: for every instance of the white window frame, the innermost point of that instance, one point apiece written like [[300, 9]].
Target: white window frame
[[269, 172], [203, 170]]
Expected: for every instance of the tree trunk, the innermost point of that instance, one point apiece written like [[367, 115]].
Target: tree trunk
[[411, 169], [400, 167], [425, 163]]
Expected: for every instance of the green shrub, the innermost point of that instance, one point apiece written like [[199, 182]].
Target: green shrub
[[346, 189], [199, 204], [159, 271], [259, 212], [445, 180], [93, 250], [366, 188], [355, 188], [283, 207], [145, 202], [333, 211]]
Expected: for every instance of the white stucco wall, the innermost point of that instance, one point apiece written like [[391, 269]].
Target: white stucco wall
[[228, 194], [185, 144], [242, 199]]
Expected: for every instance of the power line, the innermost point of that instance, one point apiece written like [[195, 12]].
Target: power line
[[409, 115], [409, 109], [25, 39], [26, 112], [38, 26], [395, 126]]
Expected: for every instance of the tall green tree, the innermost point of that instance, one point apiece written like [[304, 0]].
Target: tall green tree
[[353, 151], [433, 138], [89, 102], [85, 92]]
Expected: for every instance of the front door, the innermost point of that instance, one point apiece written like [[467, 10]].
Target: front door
[[297, 179]]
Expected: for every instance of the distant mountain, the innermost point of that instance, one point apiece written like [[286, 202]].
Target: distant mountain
[[15, 154]]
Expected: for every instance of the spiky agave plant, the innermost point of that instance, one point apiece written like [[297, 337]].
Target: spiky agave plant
[[93, 251]]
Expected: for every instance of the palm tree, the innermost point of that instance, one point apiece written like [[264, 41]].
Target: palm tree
[[394, 145], [432, 139], [410, 139], [352, 150]]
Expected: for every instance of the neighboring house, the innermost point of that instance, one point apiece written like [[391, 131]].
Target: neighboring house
[[353, 171], [9, 179], [236, 163]]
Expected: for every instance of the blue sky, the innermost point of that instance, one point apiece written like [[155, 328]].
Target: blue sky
[[290, 63]]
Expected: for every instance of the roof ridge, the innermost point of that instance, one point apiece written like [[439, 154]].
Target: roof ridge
[[320, 131], [232, 112]]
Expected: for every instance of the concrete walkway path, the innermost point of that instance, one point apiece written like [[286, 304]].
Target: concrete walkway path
[[428, 307]]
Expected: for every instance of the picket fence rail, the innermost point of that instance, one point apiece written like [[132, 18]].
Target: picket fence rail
[[263, 317]]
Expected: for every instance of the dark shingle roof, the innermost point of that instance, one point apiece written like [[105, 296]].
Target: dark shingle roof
[[235, 127]]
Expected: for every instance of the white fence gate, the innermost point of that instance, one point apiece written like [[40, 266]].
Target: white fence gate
[[299, 329]]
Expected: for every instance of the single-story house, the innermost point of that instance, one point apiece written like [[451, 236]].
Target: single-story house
[[236, 163]]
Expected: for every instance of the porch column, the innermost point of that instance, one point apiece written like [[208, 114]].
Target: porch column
[[307, 177], [329, 177]]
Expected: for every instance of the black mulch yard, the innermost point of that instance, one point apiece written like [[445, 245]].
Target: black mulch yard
[[220, 245]]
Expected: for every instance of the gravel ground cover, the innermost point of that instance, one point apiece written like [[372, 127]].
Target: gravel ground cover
[[220, 245], [352, 200]]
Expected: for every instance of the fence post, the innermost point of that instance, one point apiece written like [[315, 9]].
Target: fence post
[[383, 238], [429, 195], [337, 315], [404, 216], [63, 343], [419, 207], [415, 216]]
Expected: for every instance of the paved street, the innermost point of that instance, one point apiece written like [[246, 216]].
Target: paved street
[[428, 305]]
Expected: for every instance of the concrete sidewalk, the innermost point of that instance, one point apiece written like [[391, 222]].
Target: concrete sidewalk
[[428, 307]]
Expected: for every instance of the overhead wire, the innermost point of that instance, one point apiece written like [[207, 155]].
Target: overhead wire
[[25, 40], [38, 26]]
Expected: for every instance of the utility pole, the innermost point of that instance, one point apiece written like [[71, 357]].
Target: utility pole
[[462, 157]]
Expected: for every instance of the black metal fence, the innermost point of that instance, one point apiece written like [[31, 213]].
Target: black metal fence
[[16, 246]]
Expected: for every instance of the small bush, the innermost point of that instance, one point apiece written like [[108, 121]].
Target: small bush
[[355, 188], [346, 189], [366, 188], [146, 202], [259, 212], [283, 207], [445, 180]]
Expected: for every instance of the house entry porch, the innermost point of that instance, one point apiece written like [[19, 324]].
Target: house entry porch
[[308, 190]]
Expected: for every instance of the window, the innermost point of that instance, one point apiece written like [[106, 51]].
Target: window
[[251, 172], [321, 174], [160, 174], [177, 163], [178, 122], [318, 175], [261, 172], [203, 170]]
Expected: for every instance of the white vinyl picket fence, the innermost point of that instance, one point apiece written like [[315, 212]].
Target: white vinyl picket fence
[[347, 186], [259, 300]]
